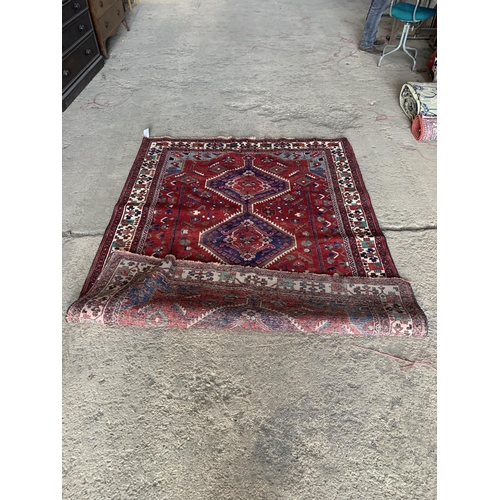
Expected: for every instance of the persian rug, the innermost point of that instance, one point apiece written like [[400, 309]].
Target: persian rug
[[418, 98], [424, 128], [289, 220]]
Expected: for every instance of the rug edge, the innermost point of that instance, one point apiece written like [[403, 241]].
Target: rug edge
[[244, 138]]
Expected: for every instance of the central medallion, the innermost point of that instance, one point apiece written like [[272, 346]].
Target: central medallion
[[248, 184], [248, 240]]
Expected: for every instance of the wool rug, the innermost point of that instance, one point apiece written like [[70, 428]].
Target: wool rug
[[424, 128], [418, 98], [289, 221]]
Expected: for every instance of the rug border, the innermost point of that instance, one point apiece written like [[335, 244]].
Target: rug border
[[104, 248], [378, 235]]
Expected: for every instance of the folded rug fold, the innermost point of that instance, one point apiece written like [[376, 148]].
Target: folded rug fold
[[136, 290]]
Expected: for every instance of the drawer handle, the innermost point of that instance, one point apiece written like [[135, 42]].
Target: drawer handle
[[118, 12], [66, 72], [106, 23], [88, 52], [76, 5], [101, 4], [81, 27]]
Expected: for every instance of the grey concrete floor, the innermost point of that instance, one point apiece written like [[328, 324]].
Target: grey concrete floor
[[216, 415]]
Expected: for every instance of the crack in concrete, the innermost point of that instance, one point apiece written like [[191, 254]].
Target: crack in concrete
[[411, 229], [76, 234]]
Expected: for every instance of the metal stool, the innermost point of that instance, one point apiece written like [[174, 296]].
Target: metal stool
[[411, 15]]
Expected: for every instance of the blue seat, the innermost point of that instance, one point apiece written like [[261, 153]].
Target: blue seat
[[410, 14]]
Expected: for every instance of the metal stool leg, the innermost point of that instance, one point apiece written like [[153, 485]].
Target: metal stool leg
[[402, 45], [406, 28], [406, 49], [414, 58]]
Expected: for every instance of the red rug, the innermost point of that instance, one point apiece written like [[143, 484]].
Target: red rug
[[424, 128], [277, 206]]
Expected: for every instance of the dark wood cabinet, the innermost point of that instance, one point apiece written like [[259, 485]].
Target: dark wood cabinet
[[81, 58], [107, 16]]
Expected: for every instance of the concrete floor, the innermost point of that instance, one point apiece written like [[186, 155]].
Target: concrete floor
[[214, 415]]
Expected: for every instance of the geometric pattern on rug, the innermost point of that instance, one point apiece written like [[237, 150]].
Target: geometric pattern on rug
[[247, 238], [136, 290], [263, 235], [287, 205]]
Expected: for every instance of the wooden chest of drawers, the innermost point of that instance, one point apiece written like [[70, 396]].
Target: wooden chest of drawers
[[107, 16], [81, 59]]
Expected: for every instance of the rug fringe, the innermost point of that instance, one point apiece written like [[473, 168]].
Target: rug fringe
[[245, 138]]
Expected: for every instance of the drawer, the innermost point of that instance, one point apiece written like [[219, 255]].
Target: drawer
[[111, 19], [80, 57], [75, 30], [72, 8], [99, 7]]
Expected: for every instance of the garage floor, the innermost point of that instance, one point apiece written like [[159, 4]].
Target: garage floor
[[216, 415]]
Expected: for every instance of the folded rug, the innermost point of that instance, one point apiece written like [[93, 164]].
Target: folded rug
[[279, 213], [135, 290], [419, 98], [424, 128]]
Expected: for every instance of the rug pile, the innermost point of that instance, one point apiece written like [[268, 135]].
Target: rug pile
[[419, 103], [247, 234]]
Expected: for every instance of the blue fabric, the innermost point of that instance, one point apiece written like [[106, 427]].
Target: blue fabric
[[404, 12], [377, 8]]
